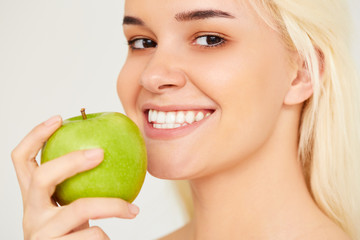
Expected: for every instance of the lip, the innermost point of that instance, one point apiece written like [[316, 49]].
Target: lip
[[167, 134], [168, 108]]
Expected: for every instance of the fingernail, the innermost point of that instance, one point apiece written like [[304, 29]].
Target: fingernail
[[51, 121], [133, 209], [94, 154]]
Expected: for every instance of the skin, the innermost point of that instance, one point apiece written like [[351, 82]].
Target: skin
[[242, 164], [243, 96]]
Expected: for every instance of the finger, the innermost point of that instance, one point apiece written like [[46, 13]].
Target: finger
[[82, 210], [47, 176], [92, 233], [23, 155], [82, 227]]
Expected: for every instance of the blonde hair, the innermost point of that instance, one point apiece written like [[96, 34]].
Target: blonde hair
[[329, 144]]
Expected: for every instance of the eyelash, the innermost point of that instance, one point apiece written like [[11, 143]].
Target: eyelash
[[212, 35], [222, 41], [132, 42]]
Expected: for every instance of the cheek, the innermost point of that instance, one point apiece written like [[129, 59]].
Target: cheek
[[128, 89], [250, 89]]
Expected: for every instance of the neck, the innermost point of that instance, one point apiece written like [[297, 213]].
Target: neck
[[261, 197]]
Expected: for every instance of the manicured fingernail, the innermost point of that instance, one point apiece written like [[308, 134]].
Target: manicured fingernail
[[133, 209], [53, 120], [94, 154]]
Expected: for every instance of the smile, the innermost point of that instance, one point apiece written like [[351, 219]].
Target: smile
[[175, 119]]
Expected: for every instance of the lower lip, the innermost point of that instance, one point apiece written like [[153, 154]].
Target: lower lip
[[167, 134]]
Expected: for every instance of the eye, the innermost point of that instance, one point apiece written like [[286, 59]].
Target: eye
[[142, 43], [209, 41]]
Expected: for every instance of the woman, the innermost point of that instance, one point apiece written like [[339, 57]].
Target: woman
[[254, 102]]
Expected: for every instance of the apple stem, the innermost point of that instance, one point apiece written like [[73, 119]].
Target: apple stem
[[83, 113]]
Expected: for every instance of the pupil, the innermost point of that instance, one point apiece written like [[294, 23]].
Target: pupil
[[149, 43], [211, 40]]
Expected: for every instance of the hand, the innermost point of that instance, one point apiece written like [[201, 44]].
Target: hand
[[42, 218]]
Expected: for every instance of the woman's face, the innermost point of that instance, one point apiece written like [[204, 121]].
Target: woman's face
[[205, 82]]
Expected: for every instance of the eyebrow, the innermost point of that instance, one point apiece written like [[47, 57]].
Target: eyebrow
[[202, 14], [184, 16], [129, 20]]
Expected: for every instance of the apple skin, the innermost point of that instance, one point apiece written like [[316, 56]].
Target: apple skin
[[122, 172]]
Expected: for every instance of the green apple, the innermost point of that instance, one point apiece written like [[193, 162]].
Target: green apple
[[121, 173]]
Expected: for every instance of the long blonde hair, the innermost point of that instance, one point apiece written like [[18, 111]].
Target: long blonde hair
[[329, 144]]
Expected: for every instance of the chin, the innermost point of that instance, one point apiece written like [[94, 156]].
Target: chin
[[170, 167], [166, 171]]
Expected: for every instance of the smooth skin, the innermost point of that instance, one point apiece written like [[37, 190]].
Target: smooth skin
[[242, 164]]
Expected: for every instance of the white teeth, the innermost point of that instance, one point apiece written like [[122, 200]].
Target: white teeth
[[167, 125], [199, 116], [190, 117], [170, 117], [150, 115], [157, 125], [161, 117], [180, 117], [170, 120], [153, 116]]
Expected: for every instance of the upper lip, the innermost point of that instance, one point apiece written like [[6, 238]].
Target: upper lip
[[182, 107]]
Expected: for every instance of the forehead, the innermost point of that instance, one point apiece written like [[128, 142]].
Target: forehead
[[170, 8]]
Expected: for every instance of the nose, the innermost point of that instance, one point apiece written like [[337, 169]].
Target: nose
[[160, 75]]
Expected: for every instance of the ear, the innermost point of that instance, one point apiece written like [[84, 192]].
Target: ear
[[301, 87], [300, 90]]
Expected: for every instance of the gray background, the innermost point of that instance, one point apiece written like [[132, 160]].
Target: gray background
[[57, 56]]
